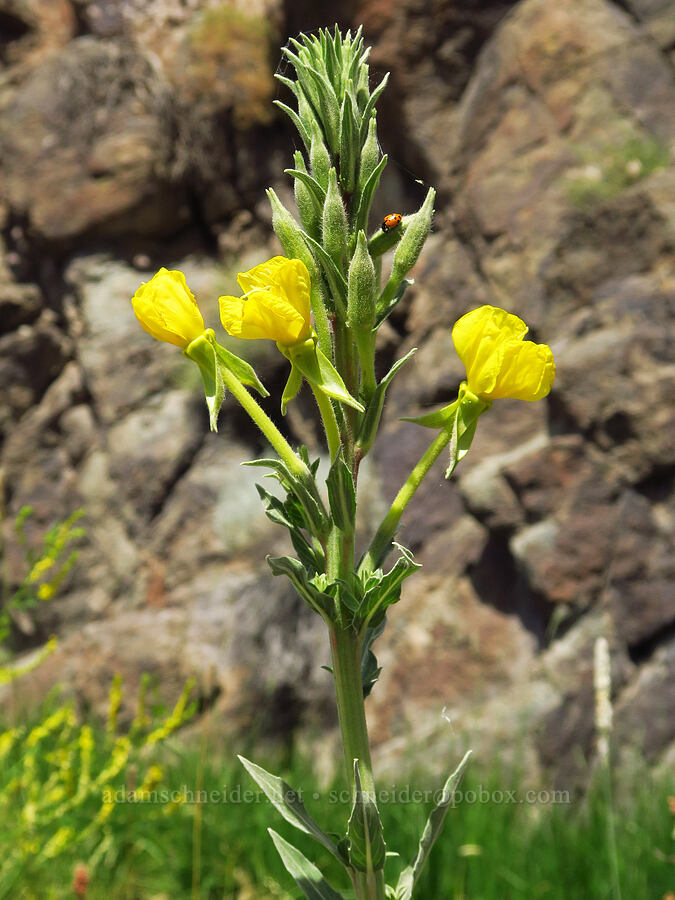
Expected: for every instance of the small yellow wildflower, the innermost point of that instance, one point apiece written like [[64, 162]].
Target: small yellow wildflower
[[167, 309], [499, 363], [275, 304]]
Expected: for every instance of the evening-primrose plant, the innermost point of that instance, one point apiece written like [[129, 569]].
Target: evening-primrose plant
[[322, 303]]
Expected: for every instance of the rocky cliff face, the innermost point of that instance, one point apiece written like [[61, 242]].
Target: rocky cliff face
[[140, 134]]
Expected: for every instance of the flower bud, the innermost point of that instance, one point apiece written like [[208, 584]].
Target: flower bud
[[307, 205], [370, 155], [290, 235], [412, 241], [319, 157], [334, 221], [167, 309], [362, 288]]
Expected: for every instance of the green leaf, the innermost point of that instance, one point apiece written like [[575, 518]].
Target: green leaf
[[459, 419], [318, 520], [315, 188], [350, 145], [439, 418], [406, 882], [341, 494], [386, 306], [321, 373], [241, 369], [335, 278], [295, 119], [371, 420], [388, 591], [294, 570], [308, 878], [370, 105], [312, 558], [291, 389], [370, 671], [289, 803], [275, 509], [367, 196], [366, 843]]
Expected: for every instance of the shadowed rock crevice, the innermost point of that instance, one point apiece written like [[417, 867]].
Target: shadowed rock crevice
[[12, 28], [499, 582]]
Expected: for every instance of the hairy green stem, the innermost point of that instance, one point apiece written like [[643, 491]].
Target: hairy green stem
[[266, 425], [389, 525], [365, 343], [346, 652], [330, 424]]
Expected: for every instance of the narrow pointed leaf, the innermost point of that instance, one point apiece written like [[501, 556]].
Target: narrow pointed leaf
[[294, 570], [406, 882], [293, 116], [367, 196], [289, 803], [371, 420], [341, 494], [370, 105], [307, 877], [366, 844], [386, 303], [335, 278], [203, 352], [315, 188], [388, 591]]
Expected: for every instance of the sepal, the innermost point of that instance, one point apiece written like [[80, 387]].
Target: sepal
[[459, 419], [291, 389], [202, 351], [320, 372]]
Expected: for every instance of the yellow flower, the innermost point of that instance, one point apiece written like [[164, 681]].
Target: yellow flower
[[499, 363], [167, 310], [275, 304]]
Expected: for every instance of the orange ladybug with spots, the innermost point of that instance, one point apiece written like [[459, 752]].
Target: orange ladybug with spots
[[390, 221]]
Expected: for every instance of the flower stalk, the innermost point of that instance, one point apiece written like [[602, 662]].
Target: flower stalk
[[322, 304]]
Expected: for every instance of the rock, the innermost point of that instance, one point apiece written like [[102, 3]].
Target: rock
[[84, 141], [643, 715], [641, 574], [214, 512], [220, 625], [34, 28], [20, 304], [30, 358], [152, 446]]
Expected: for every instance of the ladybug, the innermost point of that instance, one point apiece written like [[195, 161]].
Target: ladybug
[[391, 221]]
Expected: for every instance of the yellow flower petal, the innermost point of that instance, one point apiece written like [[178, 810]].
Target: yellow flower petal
[[275, 305], [167, 309], [527, 371], [499, 364]]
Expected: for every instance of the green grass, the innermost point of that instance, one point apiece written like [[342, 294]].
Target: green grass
[[488, 849]]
